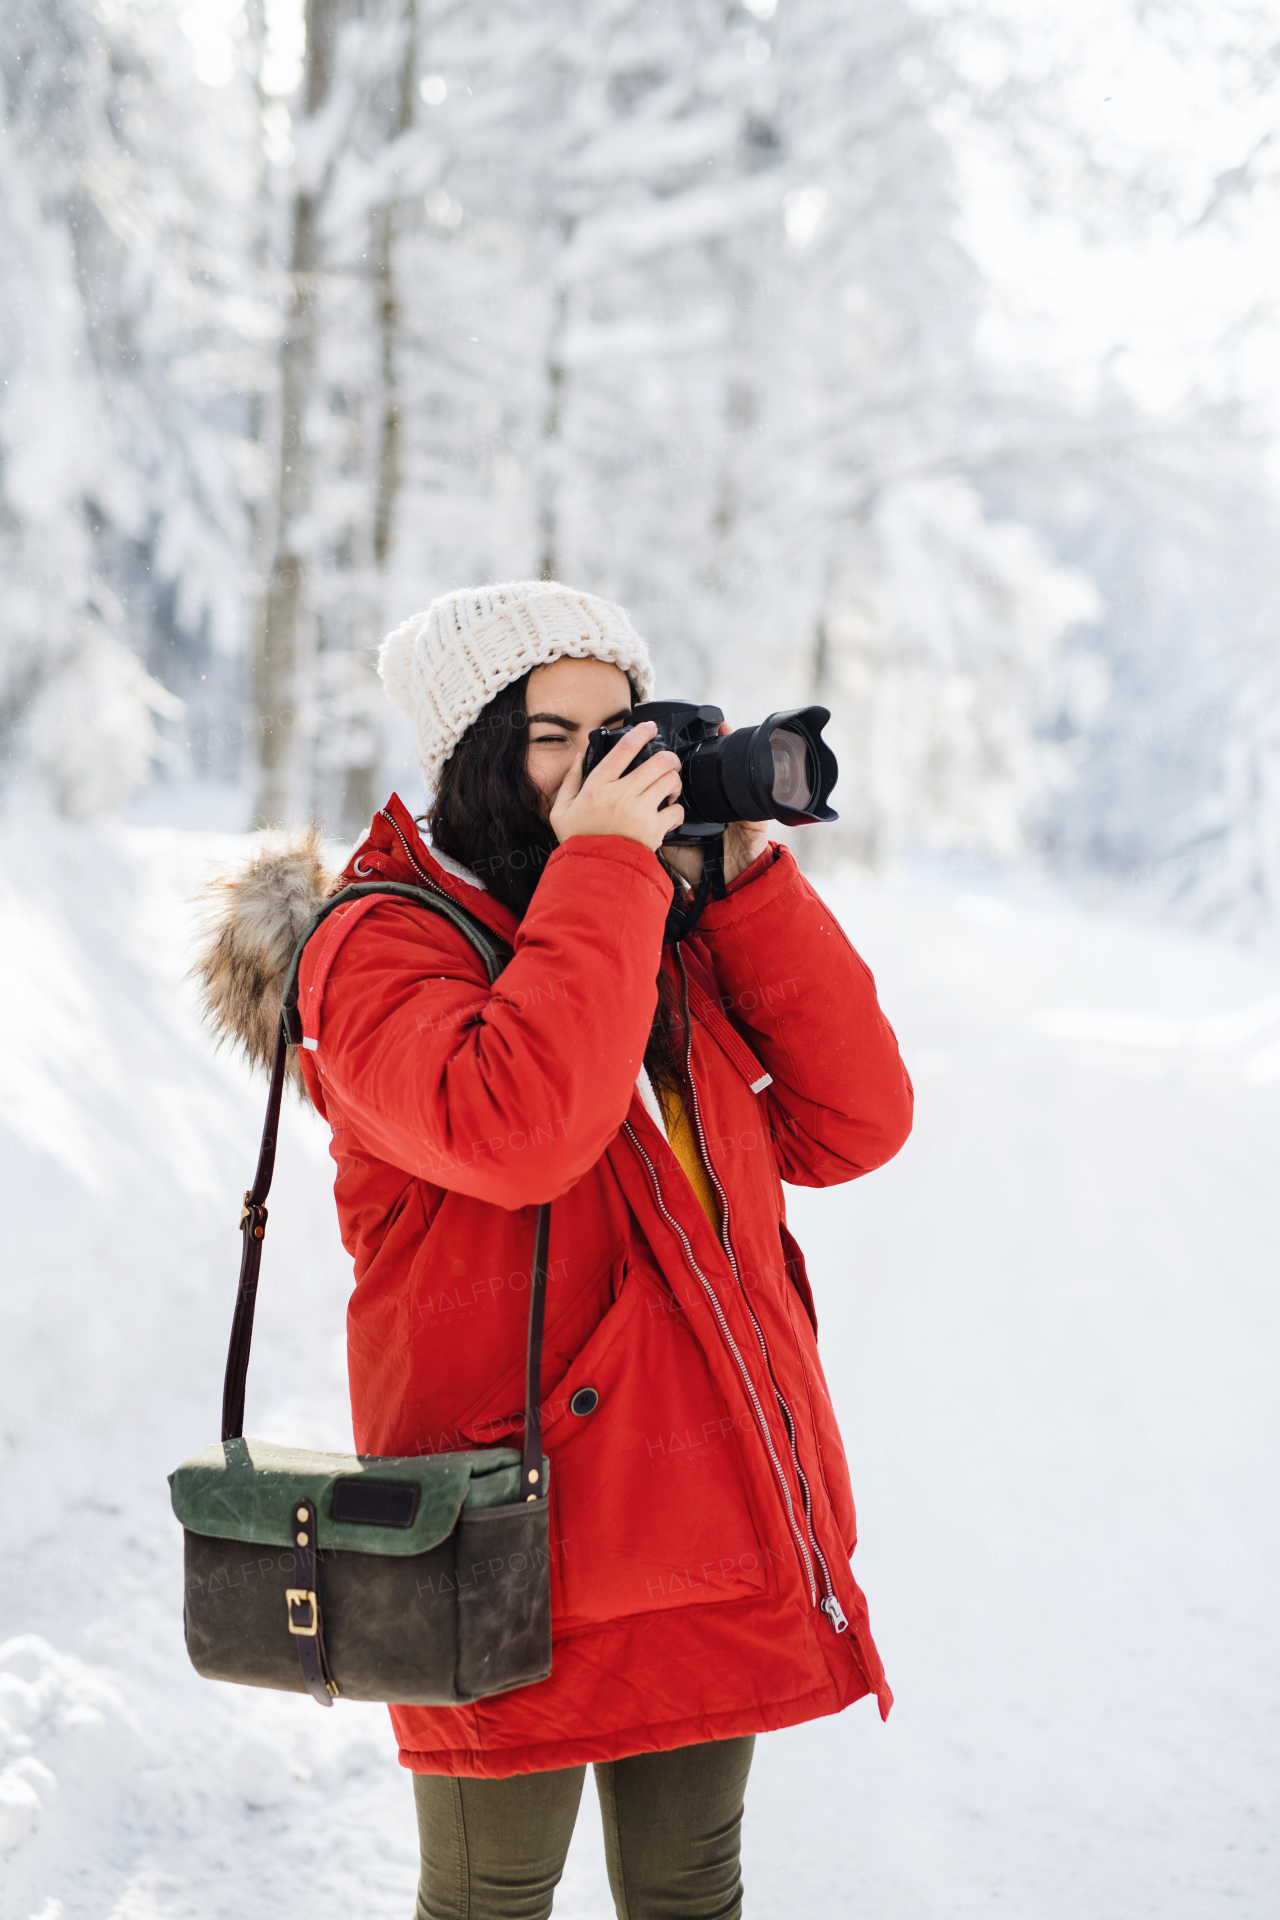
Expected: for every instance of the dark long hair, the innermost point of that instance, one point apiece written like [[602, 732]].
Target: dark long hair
[[487, 814]]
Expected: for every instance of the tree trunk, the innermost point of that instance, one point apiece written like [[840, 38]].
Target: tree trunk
[[386, 228], [286, 604], [552, 450], [358, 796]]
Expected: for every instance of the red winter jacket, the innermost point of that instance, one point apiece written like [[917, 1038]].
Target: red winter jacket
[[701, 1516]]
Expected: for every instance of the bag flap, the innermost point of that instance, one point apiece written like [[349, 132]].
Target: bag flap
[[245, 1490]]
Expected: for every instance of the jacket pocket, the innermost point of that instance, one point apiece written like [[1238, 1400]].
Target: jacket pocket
[[495, 1413], [797, 1273], [649, 1506], [804, 1325]]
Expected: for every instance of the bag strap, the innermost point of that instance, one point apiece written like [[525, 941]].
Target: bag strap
[[491, 947], [495, 953], [533, 1480]]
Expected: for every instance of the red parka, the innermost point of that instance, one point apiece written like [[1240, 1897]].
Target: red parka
[[701, 1514]]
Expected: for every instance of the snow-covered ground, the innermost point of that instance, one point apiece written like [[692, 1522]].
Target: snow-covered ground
[[1051, 1327]]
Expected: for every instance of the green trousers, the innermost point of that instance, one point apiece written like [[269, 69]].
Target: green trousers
[[495, 1849]]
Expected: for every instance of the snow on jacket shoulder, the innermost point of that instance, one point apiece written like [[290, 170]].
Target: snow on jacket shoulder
[[702, 1518]]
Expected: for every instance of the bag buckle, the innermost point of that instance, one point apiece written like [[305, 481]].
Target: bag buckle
[[302, 1597]]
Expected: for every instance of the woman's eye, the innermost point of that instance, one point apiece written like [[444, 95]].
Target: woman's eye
[[550, 740]]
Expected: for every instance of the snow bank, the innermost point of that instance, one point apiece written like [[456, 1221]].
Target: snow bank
[[1050, 1326]]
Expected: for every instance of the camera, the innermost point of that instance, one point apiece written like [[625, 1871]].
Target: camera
[[779, 770]]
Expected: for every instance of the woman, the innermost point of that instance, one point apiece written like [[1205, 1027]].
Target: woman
[[702, 1519]]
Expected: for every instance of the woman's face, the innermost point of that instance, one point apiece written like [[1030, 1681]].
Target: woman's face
[[564, 702]]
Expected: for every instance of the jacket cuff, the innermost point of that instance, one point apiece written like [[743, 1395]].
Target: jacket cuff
[[759, 866], [758, 887]]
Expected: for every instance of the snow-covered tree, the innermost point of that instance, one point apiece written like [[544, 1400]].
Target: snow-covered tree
[[687, 305], [334, 426], [130, 328], [1125, 162], [691, 310]]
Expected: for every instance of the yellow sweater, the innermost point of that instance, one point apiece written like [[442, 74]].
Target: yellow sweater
[[684, 1145]]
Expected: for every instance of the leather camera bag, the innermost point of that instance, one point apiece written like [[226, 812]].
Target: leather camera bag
[[423, 1580]]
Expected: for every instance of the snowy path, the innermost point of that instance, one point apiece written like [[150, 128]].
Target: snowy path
[[1051, 1328]]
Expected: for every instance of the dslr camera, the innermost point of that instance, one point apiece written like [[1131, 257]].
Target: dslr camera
[[779, 770]]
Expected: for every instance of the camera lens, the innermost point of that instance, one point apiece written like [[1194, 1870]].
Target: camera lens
[[782, 769], [793, 783]]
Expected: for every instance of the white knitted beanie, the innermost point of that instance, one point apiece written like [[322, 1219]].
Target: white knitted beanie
[[442, 666]]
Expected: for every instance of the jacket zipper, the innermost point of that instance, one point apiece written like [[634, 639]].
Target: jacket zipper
[[417, 866], [731, 1343], [830, 1605]]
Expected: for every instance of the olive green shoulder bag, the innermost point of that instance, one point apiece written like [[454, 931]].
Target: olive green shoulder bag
[[423, 1580]]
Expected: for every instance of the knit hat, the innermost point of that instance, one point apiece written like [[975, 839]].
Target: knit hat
[[442, 666]]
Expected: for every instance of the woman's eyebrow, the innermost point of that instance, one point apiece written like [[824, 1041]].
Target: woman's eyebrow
[[571, 726]]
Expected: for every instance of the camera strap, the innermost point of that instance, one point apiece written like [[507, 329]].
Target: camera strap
[[711, 886]]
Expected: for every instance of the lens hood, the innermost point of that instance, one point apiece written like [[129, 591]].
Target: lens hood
[[780, 770]]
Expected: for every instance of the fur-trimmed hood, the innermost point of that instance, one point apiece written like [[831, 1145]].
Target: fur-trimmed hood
[[254, 916]]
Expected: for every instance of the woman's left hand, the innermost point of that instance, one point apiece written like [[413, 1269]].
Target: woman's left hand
[[744, 841]]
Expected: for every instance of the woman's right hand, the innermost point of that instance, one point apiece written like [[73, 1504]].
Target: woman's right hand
[[614, 800]]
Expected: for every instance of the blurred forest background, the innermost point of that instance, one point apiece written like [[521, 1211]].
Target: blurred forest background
[[919, 359]]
